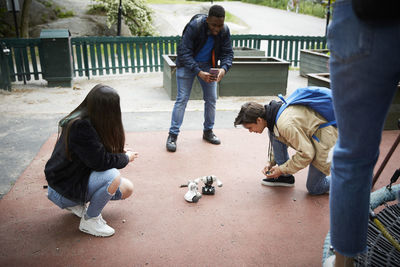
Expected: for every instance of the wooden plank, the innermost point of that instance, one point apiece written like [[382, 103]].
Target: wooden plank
[[138, 57], [11, 66], [150, 53], [99, 57], [93, 58], [119, 54], [86, 59], [144, 56], [79, 59], [132, 54], [155, 51], [34, 62], [125, 47], [112, 55], [106, 48]]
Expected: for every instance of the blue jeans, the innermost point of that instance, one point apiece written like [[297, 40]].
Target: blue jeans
[[97, 193], [184, 80], [317, 181], [365, 71]]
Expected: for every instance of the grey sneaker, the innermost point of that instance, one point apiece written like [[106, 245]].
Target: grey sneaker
[[210, 137], [171, 142], [96, 226], [280, 181]]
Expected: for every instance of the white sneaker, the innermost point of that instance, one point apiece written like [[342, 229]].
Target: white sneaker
[[329, 262], [96, 226], [78, 210]]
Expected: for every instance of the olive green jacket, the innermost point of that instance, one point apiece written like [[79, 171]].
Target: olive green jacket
[[295, 127]]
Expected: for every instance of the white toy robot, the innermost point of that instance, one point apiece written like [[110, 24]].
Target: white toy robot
[[192, 195]]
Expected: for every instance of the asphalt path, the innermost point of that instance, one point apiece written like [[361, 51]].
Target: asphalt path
[[255, 19]]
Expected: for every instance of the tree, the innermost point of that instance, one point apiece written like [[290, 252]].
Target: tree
[[136, 14], [25, 19]]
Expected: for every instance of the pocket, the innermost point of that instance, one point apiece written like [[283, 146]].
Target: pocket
[[184, 73], [348, 38]]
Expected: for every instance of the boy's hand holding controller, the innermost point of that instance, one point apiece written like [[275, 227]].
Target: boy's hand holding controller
[[272, 171], [217, 74]]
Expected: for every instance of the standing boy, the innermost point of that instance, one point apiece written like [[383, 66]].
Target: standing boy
[[205, 41]]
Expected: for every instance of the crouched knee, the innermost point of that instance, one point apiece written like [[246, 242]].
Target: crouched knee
[[126, 188]]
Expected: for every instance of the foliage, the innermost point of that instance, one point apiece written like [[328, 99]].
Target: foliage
[[314, 7], [97, 9], [229, 17], [136, 15], [4, 28], [61, 14]]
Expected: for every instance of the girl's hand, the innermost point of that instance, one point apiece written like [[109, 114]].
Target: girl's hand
[[132, 155]]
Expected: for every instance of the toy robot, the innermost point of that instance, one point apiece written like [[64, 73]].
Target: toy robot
[[192, 195]]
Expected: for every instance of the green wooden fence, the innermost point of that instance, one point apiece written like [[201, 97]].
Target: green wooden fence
[[93, 56], [24, 58]]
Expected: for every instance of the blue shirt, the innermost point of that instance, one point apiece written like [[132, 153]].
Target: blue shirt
[[204, 54]]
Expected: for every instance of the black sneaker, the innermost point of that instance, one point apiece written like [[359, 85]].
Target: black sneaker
[[210, 137], [171, 142], [280, 181]]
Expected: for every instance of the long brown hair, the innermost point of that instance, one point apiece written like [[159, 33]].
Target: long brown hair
[[102, 107]]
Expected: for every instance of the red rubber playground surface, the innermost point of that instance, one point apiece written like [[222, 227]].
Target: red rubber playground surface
[[243, 224]]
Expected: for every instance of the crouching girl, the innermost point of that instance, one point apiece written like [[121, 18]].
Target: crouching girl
[[83, 166]]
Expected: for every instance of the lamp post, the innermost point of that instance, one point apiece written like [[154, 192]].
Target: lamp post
[[328, 14], [14, 8], [119, 18]]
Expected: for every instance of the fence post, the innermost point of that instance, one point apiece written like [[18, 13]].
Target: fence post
[[5, 81]]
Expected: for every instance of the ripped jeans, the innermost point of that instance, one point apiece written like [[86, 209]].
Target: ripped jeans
[[97, 193]]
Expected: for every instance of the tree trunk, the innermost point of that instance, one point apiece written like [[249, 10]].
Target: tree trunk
[[25, 19]]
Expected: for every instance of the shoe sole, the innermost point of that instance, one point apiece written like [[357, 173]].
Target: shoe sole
[[171, 150], [276, 184], [211, 142], [95, 234]]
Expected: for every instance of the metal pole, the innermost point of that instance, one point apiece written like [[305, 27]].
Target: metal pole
[[389, 154], [328, 14], [17, 32], [119, 18], [15, 18]]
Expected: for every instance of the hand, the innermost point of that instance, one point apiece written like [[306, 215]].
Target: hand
[[132, 155], [267, 168], [221, 74], [207, 77], [274, 172]]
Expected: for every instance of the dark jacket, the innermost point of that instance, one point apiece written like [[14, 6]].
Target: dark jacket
[[70, 178], [195, 36]]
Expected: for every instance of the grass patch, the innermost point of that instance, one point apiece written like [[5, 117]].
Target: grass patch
[[229, 17], [305, 7], [66, 14], [97, 9], [170, 2]]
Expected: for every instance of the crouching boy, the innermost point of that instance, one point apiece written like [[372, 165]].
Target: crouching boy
[[299, 127]]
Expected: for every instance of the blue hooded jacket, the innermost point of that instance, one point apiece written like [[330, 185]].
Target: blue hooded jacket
[[193, 39]]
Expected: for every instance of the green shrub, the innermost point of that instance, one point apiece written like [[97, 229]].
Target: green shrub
[[66, 14], [97, 9]]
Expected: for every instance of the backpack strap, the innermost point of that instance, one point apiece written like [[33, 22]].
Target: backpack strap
[[284, 106]]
